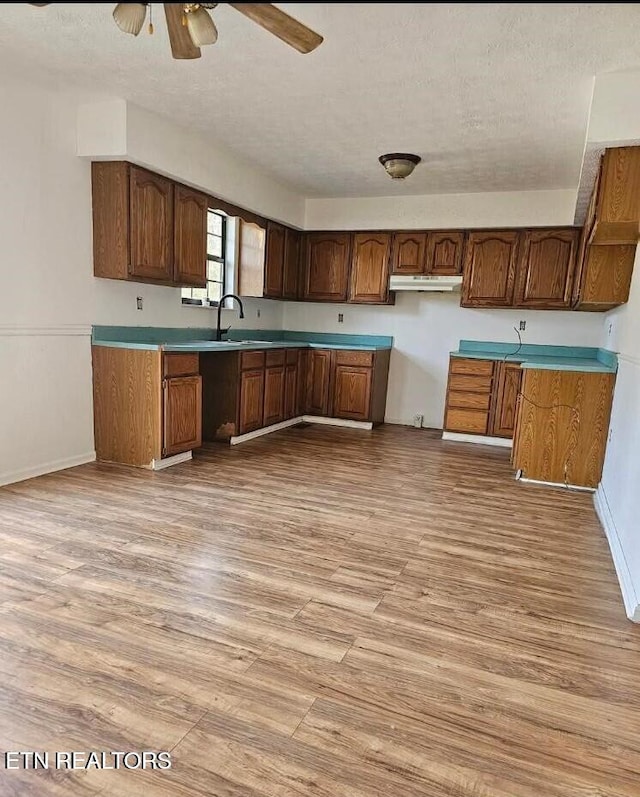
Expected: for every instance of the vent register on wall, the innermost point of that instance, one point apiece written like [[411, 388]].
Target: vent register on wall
[[554, 268]]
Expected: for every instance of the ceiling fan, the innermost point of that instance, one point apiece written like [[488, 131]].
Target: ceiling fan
[[191, 27]]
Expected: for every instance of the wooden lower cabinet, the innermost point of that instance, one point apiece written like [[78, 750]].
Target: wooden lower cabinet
[[255, 389], [182, 419], [291, 385], [505, 399], [482, 397], [274, 383], [320, 361], [352, 392], [562, 426], [147, 404], [251, 411]]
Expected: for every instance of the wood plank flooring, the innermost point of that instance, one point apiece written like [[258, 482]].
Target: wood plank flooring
[[319, 613]]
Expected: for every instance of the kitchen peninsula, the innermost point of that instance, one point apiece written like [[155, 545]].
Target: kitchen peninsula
[[159, 392]]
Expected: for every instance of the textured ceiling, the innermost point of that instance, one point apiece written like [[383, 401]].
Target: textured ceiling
[[494, 97]]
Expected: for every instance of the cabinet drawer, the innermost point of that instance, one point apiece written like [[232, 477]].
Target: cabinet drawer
[[354, 357], [180, 364], [251, 359], [459, 365], [292, 356], [276, 357], [470, 384], [466, 420], [473, 401]]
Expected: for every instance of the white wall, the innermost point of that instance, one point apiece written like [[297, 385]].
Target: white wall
[[509, 208], [618, 495], [426, 327]]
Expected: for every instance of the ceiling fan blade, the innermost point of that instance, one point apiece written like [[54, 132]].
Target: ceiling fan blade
[[39, 5], [283, 26], [181, 45]]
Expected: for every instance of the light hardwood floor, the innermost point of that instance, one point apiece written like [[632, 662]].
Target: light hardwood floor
[[322, 612]]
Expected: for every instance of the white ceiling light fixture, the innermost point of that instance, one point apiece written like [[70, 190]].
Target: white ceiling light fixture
[[201, 27], [130, 17], [399, 165]]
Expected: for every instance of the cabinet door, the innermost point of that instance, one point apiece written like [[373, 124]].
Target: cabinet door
[[408, 252], [190, 237], [274, 261], [546, 265], [352, 392], [327, 266], [505, 399], [291, 391], [604, 279], [444, 253], [319, 382], [182, 414], [273, 395], [291, 265], [251, 401], [489, 269], [369, 282], [151, 229]]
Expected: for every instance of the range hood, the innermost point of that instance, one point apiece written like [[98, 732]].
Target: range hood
[[425, 283]]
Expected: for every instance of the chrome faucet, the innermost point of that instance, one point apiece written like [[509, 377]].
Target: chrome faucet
[[220, 305]]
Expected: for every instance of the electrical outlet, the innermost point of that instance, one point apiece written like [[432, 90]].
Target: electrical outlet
[[139, 302], [340, 318], [610, 435], [523, 326], [418, 420], [610, 329], [258, 313]]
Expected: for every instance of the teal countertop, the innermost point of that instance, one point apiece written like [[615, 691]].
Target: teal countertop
[[201, 339], [555, 358]]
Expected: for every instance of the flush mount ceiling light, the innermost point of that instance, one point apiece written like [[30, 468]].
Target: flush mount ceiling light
[[191, 27], [399, 165]]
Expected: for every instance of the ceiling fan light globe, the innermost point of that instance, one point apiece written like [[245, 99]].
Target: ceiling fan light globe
[[130, 17], [201, 27]]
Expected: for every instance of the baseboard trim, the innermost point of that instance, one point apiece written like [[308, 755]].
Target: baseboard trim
[[11, 477], [629, 595], [573, 487], [276, 427], [167, 462], [479, 439], [347, 424]]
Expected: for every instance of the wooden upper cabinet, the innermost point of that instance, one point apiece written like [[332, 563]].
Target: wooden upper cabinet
[[505, 398], [274, 260], [251, 259], [604, 276], [151, 230], [369, 283], [190, 237], [319, 365], [291, 264], [408, 252], [327, 266], [616, 216], [546, 266], [352, 392], [490, 269], [444, 253], [182, 414]]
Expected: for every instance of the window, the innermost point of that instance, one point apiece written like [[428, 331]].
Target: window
[[216, 251]]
